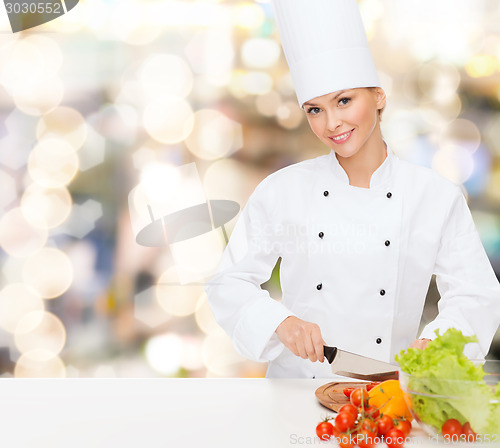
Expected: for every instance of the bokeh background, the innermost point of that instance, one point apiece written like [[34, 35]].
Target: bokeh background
[[118, 94]]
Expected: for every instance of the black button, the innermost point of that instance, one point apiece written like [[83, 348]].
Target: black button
[[378, 341], [382, 292], [325, 192], [321, 234], [318, 287], [389, 194], [387, 243]]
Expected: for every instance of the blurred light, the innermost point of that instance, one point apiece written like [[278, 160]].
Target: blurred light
[[17, 300], [164, 353], [290, 115], [82, 219], [191, 353], [45, 208], [219, 355], [248, 15], [40, 330], [12, 270], [93, 151], [453, 162], [39, 364], [16, 146], [17, 237], [257, 83], [39, 98], [204, 317], [268, 104], [260, 53], [158, 179], [438, 81], [211, 53], [130, 23], [481, 65], [64, 123], [168, 119], [228, 179], [166, 74], [21, 64], [9, 192], [49, 271], [147, 309], [175, 298], [198, 258], [119, 122], [214, 135], [463, 133], [143, 157], [53, 163]]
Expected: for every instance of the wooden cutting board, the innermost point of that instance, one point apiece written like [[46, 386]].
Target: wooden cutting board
[[331, 395]]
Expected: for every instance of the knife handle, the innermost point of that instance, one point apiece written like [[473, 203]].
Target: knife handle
[[330, 353]]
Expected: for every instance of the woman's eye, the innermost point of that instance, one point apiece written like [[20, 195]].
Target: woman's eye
[[344, 101], [313, 110]]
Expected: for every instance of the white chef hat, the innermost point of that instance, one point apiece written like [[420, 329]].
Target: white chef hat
[[325, 46]]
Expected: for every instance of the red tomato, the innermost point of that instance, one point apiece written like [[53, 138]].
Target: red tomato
[[344, 421], [348, 391], [451, 429], [468, 433], [372, 411], [346, 440], [385, 424], [349, 408], [394, 438], [403, 425], [324, 430], [367, 439], [369, 425], [371, 385], [359, 395]]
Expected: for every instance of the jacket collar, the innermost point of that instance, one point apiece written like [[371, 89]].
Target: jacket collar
[[380, 177]]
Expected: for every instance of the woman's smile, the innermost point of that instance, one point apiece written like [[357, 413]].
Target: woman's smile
[[341, 138]]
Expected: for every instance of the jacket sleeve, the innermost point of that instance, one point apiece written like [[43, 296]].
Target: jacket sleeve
[[469, 289], [240, 306]]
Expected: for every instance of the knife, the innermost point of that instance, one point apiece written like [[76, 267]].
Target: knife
[[361, 367]]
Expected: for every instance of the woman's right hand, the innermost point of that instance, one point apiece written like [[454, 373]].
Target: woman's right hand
[[302, 338]]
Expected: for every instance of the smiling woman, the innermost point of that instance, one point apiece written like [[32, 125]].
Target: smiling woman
[[362, 291]]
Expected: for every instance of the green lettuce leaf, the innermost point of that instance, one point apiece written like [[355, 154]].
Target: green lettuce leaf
[[446, 384]]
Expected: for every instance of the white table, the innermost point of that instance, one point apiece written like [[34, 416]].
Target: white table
[[163, 413]]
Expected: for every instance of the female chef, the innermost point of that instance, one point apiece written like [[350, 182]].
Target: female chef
[[359, 231]]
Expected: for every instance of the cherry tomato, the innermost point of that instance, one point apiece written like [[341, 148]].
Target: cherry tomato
[[346, 440], [451, 429], [324, 430], [372, 411], [385, 424], [344, 421], [359, 395], [367, 439], [348, 391], [370, 425], [349, 408], [468, 433], [371, 385], [394, 438], [403, 425]]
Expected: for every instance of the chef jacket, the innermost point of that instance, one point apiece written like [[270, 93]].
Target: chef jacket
[[356, 261]]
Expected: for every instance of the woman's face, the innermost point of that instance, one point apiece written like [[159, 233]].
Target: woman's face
[[345, 120]]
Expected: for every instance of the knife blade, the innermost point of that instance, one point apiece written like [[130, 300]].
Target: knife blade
[[361, 367]]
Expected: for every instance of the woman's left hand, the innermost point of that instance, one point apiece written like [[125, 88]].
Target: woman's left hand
[[420, 343]]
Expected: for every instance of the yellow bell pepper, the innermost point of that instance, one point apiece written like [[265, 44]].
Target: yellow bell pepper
[[389, 399]]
